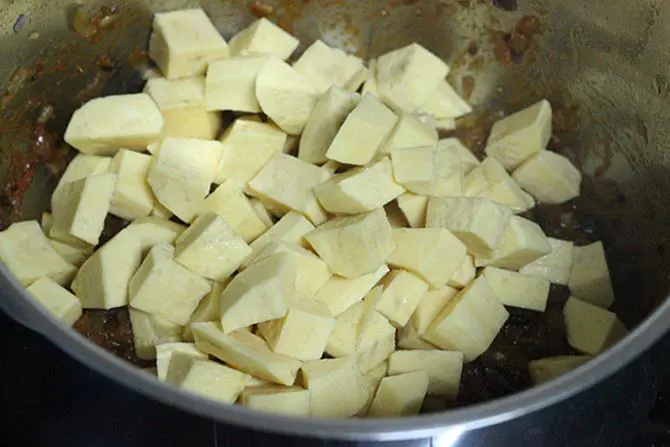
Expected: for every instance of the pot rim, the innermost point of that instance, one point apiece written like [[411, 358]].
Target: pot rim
[[448, 426]]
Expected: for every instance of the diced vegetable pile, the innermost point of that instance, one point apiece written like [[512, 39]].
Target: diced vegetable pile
[[339, 308]]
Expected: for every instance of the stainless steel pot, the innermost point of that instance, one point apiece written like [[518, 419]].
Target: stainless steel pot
[[603, 63]]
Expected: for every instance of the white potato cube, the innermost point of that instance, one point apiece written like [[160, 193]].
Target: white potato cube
[[339, 294], [261, 292], [102, 281], [395, 216], [489, 179], [132, 196], [80, 167], [325, 67], [324, 122], [414, 208], [153, 230], [400, 395], [293, 401], [353, 246], [326, 380], [184, 42], [443, 368], [83, 207], [182, 104], [302, 334], [408, 76], [518, 290], [432, 253], [548, 368], [409, 339], [516, 138], [57, 300], [468, 160], [262, 212], [429, 170], [360, 189], [150, 331], [263, 37], [74, 255], [211, 248], [409, 132], [182, 173], [285, 96], [549, 177], [363, 132], [522, 243], [164, 353], [554, 266], [247, 146], [26, 252], [231, 83], [164, 288], [589, 328], [480, 223], [376, 341], [291, 228], [430, 305], [469, 322], [209, 309], [345, 336], [205, 377], [401, 296], [246, 352], [590, 276], [445, 103], [289, 183]]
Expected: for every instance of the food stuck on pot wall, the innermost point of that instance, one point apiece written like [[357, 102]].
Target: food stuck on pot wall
[[379, 259]]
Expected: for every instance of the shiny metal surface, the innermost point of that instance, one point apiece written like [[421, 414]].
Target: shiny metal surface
[[603, 61]]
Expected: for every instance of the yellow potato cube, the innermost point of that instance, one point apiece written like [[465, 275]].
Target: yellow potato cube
[[150, 331], [339, 294], [591, 329], [231, 83], [209, 309], [550, 177], [446, 103], [409, 131], [554, 266], [414, 208], [543, 370], [205, 377], [401, 296], [429, 170], [431, 304], [164, 353], [292, 401], [153, 230], [443, 368], [291, 228], [400, 395], [465, 273], [522, 243], [518, 290], [590, 276], [132, 196], [263, 37], [325, 67], [57, 300]]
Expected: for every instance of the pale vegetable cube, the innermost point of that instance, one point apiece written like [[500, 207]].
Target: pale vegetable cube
[[522, 243], [103, 125], [247, 146], [231, 83], [336, 387], [164, 353], [590, 276], [184, 42], [402, 292], [160, 211], [376, 341], [395, 216], [255, 382], [229, 202], [356, 81], [370, 84], [409, 339], [263, 37], [261, 292], [247, 352], [518, 290], [554, 266], [290, 228], [363, 132], [74, 255], [353, 246], [549, 177], [182, 173], [312, 272], [468, 159], [80, 167], [489, 179], [465, 273], [289, 183], [205, 377], [345, 336], [153, 230], [285, 96], [292, 401], [548, 368], [408, 76], [324, 122], [400, 395], [360, 189], [480, 223], [443, 368], [375, 376], [325, 67], [102, 281], [57, 300], [177, 93], [132, 196], [428, 170], [150, 331], [591, 329], [83, 206], [409, 132], [262, 212], [209, 309], [516, 138], [432, 253], [431, 304], [469, 322], [339, 294], [26, 252], [166, 289], [302, 334], [414, 208], [445, 103], [211, 248]]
